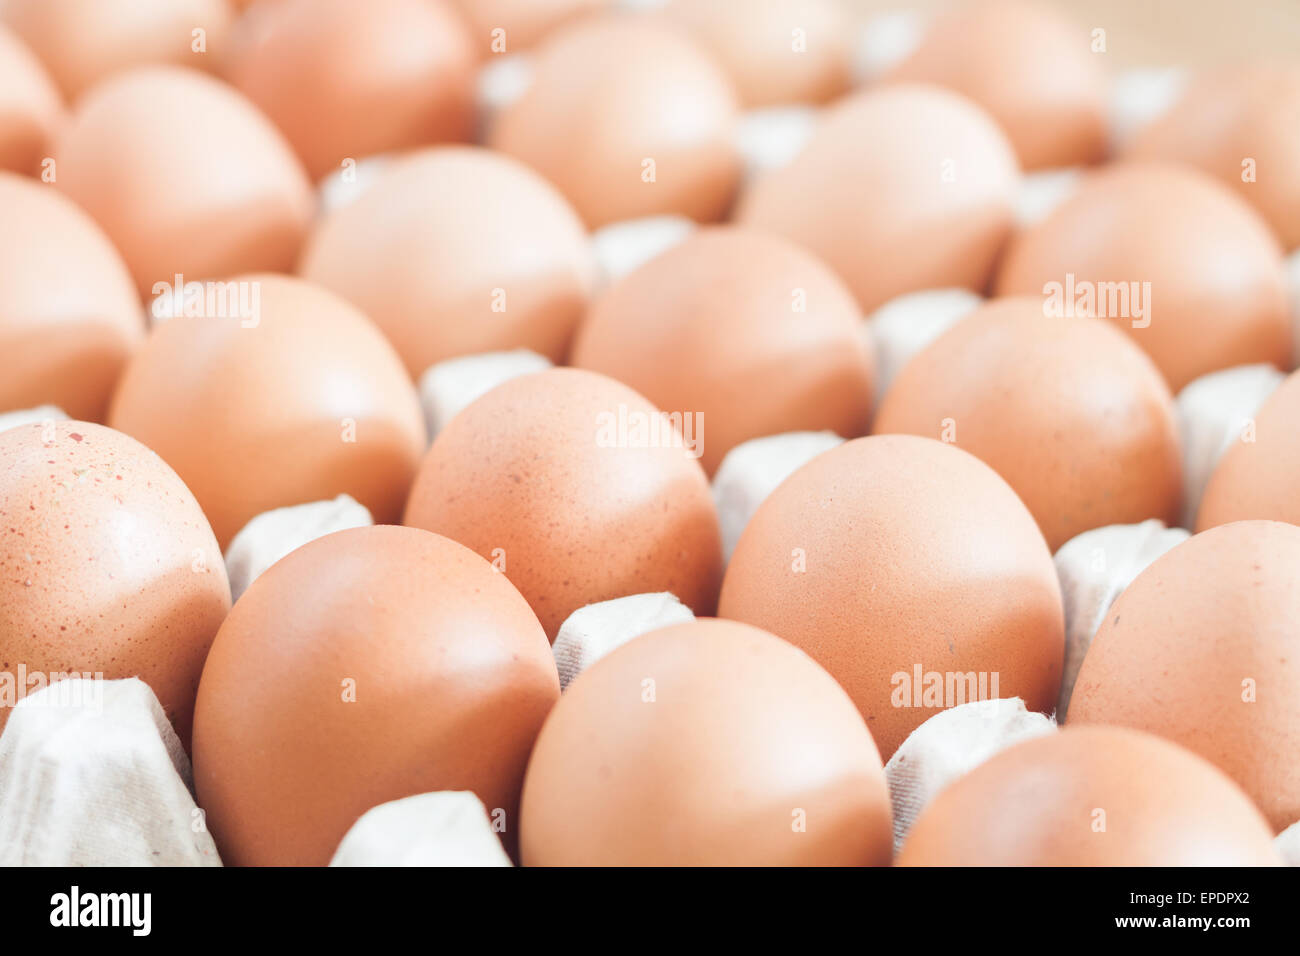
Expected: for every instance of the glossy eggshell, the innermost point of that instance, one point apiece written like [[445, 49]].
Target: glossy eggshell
[[746, 329], [107, 565], [1218, 291], [309, 403], [456, 250], [892, 552], [1033, 70], [775, 51], [1260, 478], [1069, 411], [525, 22], [899, 189], [538, 476], [346, 80], [1202, 649], [610, 94], [185, 176], [64, 342], [30, 106], [84, 41], [369, 665], [705, 744], [1095, 796], [1234, 114]]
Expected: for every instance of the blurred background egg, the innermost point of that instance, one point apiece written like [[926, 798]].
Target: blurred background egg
[[184, 175], [899, 189], [368, 665], [1259, 475], [627, 118], [345, 80], [30, 106], [892, 557], [523, 22], [1202, 649], [1217, 290], [83, 41], [1095, 796], [708, 743], [63, 342], [746, 329], [107, 565], [456, 250], [297, 399], [1069, 411], [577, 490]]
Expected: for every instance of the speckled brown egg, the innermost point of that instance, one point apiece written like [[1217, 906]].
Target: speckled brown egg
[[1032, 69], [1239, 125], [1217, 291], [1094, 796], [523, 23], [369, 665], [1202, 649], [1259, 475], [629, 119], [748, 330], [456, 250], [709, 743], [107, 566], [184, 175], [575, 487], [64, 342], [1069, 411], [899, 189], [295, 398], [30, 106], [84, 41], [893, 558], [345, 80]]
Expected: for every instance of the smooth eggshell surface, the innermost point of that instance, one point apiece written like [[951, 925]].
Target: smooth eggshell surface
[[1069, 411], [1202, 649], [899, 189], [368, 665], [107, 565], [30, 106], [1095, 796], [307, 403], [64, 342], [893, 553], [746, 329], [708, 743], [560, 479]]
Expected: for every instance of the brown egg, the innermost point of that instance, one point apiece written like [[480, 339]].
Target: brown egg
[[30, 106], [1202, 649], [1217, 291], [344, 80], [1032, 69], [1091, 796], [894, 558], [899, 189], [775, 51], [457, 250], [107, 566], [708, 743], [571, 484], [1069, 411], [523, 22], [300, 402], [369, 665], [746, 329], [64, 342], [185, 176], [1239, 125], [1260, 478], [629, 119], [83, 41]]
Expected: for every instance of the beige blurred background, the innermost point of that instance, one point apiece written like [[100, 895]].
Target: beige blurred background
[[1171, 32]]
